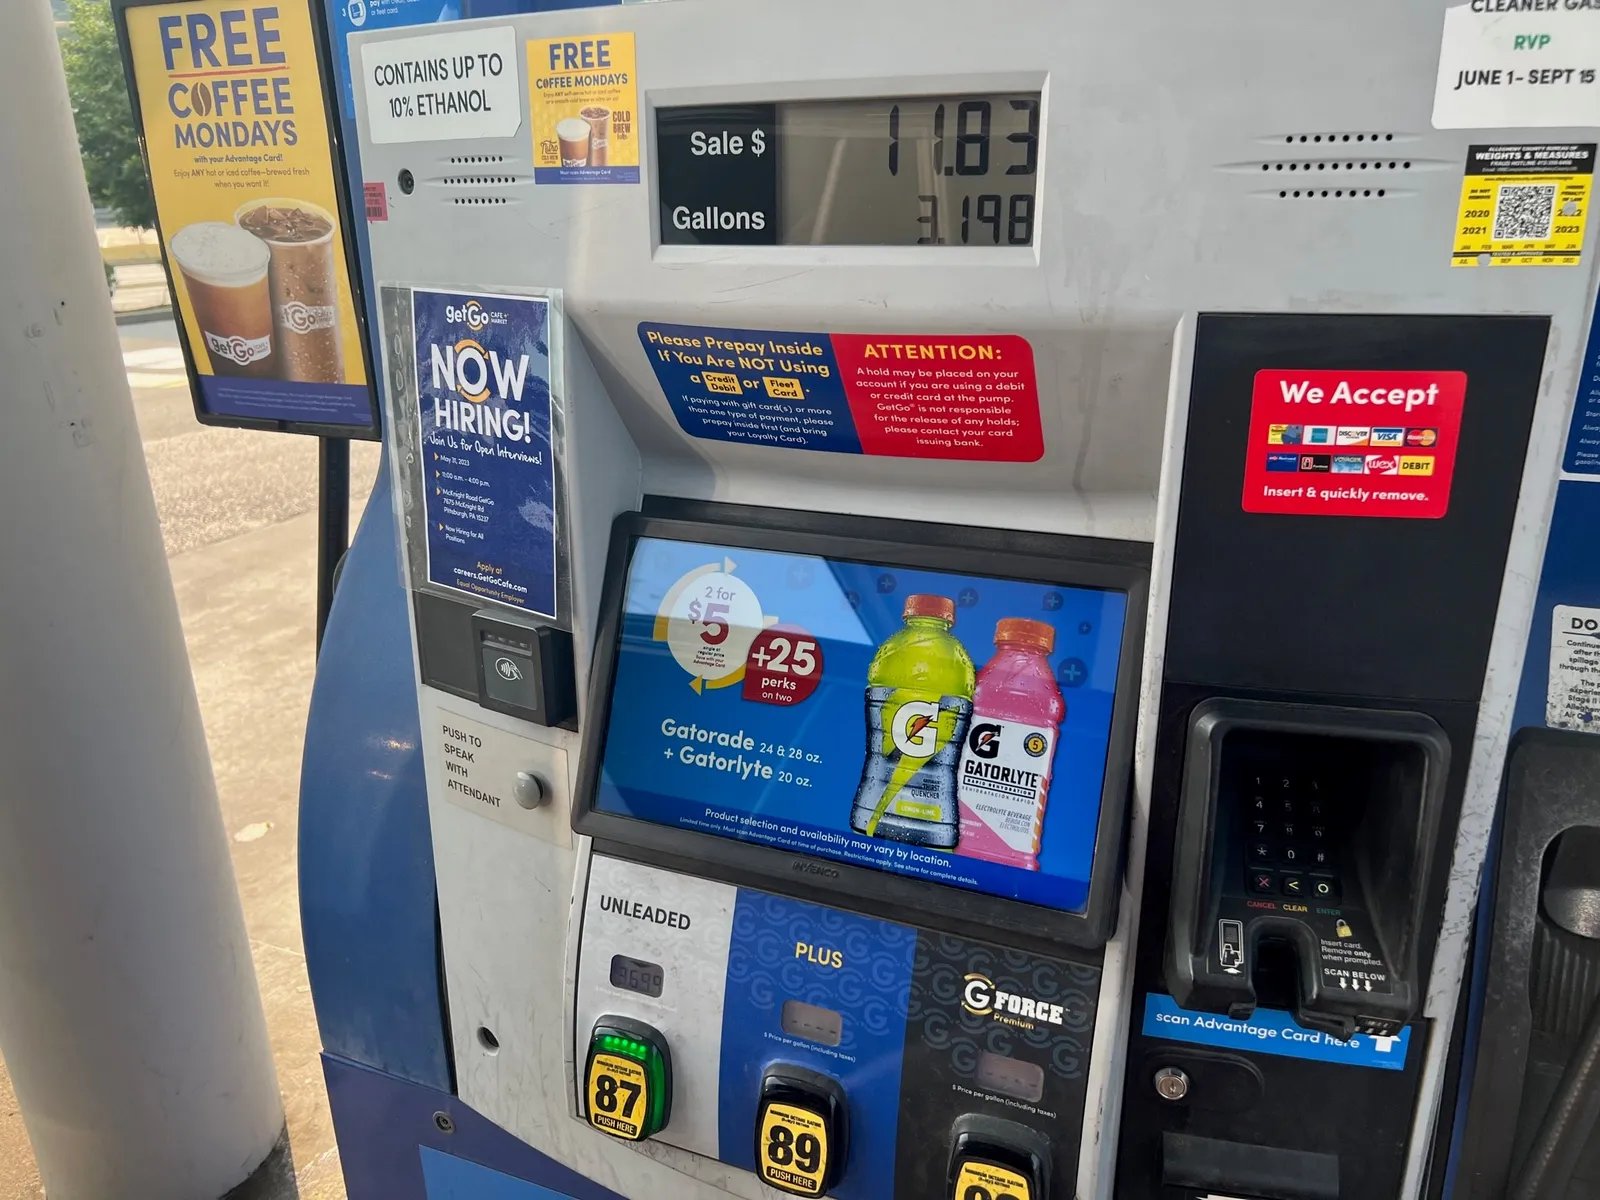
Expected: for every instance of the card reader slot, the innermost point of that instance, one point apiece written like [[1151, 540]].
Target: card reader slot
[[1304, 851]]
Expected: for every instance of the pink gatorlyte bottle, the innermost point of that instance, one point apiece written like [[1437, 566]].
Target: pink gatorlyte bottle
[[1004, 777]]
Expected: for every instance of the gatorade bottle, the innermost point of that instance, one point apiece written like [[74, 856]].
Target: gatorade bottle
[[919, 696], [1005, 764]]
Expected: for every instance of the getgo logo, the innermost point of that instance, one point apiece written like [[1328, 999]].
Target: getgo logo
[[915, 728], [471, 314]]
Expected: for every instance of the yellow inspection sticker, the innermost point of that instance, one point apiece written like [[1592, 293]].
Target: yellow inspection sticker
[[794, 1149], [1524, 206], [985, 1181], [619, 1096]]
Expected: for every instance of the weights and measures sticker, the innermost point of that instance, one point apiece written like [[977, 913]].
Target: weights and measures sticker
[[1524, 206], [709, 619], [619, 1096], [793, 1149], [985, 1181]]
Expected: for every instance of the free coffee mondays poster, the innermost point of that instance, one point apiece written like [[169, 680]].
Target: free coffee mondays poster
[[236, 136]]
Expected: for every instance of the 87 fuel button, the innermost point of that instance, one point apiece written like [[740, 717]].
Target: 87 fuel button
[[628, 1080]]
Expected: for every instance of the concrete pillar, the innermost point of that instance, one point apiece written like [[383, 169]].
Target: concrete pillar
[[130, 1018]]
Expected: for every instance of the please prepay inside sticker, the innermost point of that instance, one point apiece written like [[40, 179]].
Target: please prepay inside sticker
[[1524, 205], [953, 396], [1353, 443]]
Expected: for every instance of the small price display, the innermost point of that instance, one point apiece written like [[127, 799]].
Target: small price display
[[619, 1096], [635, 975], [957, 170], [924, 171], [794, 1149], [989, 1181]]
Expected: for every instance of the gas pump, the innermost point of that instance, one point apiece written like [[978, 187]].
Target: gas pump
[[961, 575]]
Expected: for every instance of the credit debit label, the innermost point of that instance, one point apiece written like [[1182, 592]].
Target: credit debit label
[[1270, 1031], [1390, 454]]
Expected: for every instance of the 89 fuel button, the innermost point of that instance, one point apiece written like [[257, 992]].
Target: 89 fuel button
[[628, 1080], [802, 1131]]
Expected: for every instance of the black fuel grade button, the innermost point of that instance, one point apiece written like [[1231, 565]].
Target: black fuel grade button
[[802, 1131], [995, 1159], [628, 1079]]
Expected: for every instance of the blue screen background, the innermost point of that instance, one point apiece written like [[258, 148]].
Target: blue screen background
[[849, 608]]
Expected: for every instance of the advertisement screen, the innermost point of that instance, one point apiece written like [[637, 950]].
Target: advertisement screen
[[231, 101], [945, 727]]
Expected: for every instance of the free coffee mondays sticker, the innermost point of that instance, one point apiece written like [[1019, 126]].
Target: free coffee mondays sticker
[[230, 99], [583, 93]]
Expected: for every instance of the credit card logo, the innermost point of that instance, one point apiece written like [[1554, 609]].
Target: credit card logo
[[1292, 434], [1316, 462], [1283, 462], [1383, 464], [1275, 434], [1319, 435], [1387, 436], [1349, 464], [1353, 435], [1421, 437], [1416, 464]]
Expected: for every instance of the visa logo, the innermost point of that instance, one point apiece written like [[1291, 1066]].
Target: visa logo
[[1387, 436]]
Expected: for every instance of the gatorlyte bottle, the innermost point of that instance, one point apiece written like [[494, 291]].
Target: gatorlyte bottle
[[1010, 744], [919, 695]]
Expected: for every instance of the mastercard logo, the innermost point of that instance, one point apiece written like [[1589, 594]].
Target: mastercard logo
[[1421, 437]]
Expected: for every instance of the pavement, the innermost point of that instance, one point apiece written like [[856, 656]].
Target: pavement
[[238, 516]]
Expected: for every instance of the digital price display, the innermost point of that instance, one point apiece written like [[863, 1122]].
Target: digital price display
[[900, 171], [636, 975]]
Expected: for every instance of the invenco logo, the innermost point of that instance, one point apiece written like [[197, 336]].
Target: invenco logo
[[804, 866], [981, 998]]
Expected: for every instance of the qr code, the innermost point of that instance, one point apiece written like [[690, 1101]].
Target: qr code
[[1524, 211]]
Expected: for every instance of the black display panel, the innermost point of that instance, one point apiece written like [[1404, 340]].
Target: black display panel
[[902, 720]]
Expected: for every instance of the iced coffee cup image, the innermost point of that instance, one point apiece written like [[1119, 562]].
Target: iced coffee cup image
[[573, 133], [305, 285], [224, 270], [599, 120]]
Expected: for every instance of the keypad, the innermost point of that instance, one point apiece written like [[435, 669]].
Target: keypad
[[1289, 837]]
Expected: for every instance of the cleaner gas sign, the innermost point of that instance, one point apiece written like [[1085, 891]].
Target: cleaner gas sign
[[1353, 443], [483, 409], [948, 727]]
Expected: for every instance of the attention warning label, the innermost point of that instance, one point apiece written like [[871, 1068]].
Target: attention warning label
[[952, 396]]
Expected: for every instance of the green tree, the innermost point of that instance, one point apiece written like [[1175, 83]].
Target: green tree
[[106, 135]]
